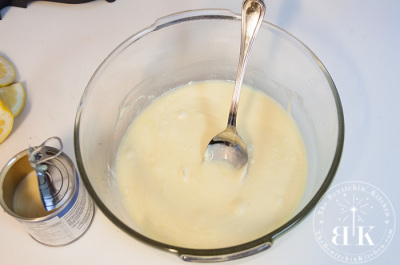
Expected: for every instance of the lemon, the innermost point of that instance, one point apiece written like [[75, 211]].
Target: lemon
[[14, 97], [7, 72], [6, 121]]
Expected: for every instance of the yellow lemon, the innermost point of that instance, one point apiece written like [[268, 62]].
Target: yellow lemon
[[6, 121], [7, 72], [14, 97]]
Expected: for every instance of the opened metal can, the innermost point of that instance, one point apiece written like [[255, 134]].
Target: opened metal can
[[41, 188]]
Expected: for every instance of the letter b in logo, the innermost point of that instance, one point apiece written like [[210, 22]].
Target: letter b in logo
[[340, 236]]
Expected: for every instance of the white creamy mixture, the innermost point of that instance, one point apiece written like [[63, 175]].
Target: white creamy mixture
[[175, 197]]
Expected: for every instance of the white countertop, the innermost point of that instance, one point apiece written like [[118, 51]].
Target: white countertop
[[56, 48]]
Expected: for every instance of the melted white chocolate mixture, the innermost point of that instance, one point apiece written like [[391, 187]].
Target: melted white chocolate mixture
[[176, 197]]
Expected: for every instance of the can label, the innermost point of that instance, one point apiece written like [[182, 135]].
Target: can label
[[67, 226]]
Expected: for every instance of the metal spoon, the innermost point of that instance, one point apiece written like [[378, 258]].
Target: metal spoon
[[228, 145]]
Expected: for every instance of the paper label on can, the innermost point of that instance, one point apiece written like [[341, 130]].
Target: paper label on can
[[68, 225]]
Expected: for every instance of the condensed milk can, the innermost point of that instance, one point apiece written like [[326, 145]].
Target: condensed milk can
[[40, 187]]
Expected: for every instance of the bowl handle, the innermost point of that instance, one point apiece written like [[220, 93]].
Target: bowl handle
[[193, 14], [224, 257]]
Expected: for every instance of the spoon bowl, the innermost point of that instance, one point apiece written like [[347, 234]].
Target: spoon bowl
[[229, 146]]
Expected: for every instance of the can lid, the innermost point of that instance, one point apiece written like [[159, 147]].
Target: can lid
[[55, 174]]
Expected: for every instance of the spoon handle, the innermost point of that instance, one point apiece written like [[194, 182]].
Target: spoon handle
[[252, 15]]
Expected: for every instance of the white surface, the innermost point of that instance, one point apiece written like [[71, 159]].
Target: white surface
[[57, 47]]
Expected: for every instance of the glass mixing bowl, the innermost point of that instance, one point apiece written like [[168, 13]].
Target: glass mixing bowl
[[195, 46]]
